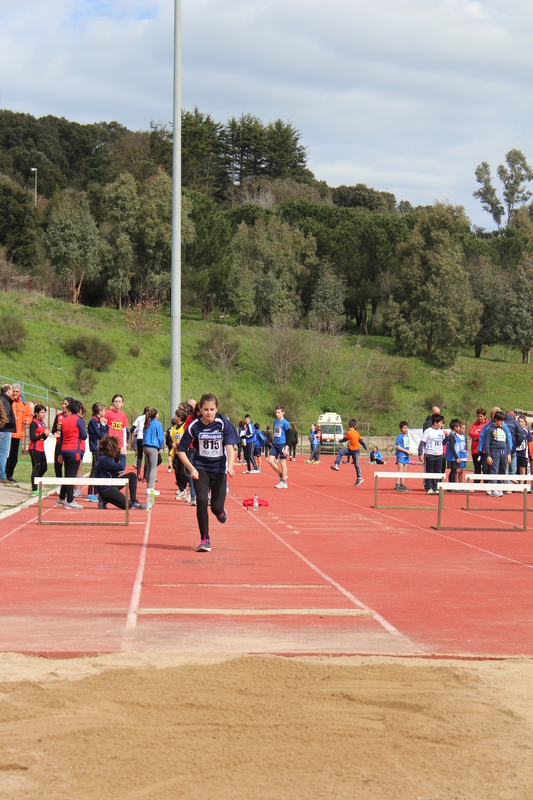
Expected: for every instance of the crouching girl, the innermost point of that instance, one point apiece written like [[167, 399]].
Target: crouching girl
[[108, 466]]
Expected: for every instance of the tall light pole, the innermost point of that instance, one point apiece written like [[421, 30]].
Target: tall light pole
[[175, 286], [34, 169]]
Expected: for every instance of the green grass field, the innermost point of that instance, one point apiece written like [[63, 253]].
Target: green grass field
[[369, 380]]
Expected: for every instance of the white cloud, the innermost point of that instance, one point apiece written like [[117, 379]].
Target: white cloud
[[408, 95]]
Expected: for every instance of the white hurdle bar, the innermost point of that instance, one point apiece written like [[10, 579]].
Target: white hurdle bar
[[470, 487], [84, 481], [493, 479], [433, 476]]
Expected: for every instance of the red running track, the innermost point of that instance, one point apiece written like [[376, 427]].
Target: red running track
[[318, 571]]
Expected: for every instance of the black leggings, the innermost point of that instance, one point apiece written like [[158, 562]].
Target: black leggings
[[71, 471], [180, 473], [58, 468], [216, 481], [292, 450], [39, 466], [249, 456], [139, 456], [114, 496]]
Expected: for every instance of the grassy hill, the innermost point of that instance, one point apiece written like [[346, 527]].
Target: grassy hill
[[369, 380]]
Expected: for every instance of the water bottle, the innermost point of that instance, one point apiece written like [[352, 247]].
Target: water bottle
[[148, 504], [152, 497], [256, 503]]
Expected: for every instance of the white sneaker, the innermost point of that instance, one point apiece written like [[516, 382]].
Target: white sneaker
[[281, 485], [60, 502], [77, 492], [58, 489], [155, 491], [73, 505], [180, 495]]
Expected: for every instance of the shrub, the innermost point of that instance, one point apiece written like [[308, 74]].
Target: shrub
[[165, 362], [219, 351], [289, 398], [135, 351], [436, 398], [86, 378], [13, 333], [92, 350], [405, 371]]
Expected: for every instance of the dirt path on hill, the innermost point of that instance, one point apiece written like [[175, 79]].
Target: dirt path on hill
[[163, 726]]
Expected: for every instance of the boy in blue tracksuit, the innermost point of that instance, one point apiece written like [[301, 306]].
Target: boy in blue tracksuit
[[498, 446], [251, 465], [259, 443], [280, 447], [96, 429]]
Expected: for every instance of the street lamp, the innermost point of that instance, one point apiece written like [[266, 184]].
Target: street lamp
[[34, 169], [175, 286]]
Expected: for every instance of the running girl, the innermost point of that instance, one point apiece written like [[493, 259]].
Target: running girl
[[213, 438], [38, 434]]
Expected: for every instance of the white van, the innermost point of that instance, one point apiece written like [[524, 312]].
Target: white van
[[332, 432]]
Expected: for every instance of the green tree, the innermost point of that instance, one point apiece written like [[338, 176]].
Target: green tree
[[206, 258], [18, 232], [514, 178], [271, 256], [72, 241], [431, 304], [488, 286], [518, 325]]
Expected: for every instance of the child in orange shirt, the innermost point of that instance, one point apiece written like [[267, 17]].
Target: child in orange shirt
[[353, 437]]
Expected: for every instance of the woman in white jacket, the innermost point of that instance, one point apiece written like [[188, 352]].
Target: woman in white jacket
[[137, 436]]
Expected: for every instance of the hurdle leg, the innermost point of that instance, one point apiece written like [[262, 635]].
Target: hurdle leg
[[127, 493], [39, 522], [376, 492]]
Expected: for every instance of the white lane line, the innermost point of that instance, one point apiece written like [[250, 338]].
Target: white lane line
[[33, 519], [131, 619], [283, 586], [383, 622], [257, 612], [426, 530]]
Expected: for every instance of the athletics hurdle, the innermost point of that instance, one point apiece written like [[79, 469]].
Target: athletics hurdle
[[84, 481], [462, 487], [491, 479], [435, 476]]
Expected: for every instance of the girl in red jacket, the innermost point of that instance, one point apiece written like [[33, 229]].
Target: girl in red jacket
[[38, 435]]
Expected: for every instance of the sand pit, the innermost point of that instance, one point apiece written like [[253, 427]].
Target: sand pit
[[166, 726]]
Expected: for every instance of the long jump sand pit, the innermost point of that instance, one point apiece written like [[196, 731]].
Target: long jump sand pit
[[160, 726]]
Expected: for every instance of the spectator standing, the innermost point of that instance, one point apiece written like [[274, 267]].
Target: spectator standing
[[153, 442], [474, 433], [7, 429], [137, 437], [118, 425], [23, 417], [38, 435], [71, 446], [293, 433]]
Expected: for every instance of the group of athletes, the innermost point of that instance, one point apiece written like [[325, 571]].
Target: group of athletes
[[202, 444]]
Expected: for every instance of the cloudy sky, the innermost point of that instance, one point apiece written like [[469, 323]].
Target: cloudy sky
[[404, 95]]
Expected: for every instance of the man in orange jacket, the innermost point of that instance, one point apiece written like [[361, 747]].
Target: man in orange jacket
[[23, 416]]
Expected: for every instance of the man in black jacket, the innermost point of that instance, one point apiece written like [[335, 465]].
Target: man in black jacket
[[6, 430], [427, 424]]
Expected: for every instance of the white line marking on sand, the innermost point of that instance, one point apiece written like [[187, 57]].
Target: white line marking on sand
[[383, 622]]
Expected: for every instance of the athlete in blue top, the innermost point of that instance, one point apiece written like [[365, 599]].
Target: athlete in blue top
[[280, 447], [251, 464], [402, 455], [213, 438]]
